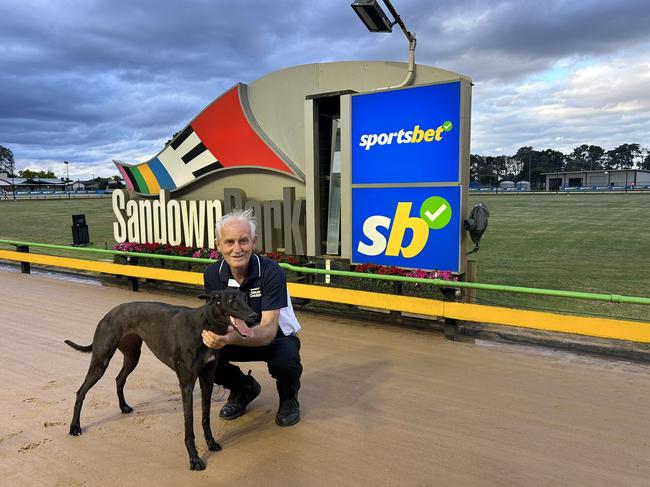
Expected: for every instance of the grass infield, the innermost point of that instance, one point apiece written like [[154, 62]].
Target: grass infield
[[578, 242]]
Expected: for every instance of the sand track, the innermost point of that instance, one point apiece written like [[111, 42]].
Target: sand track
[[381, 406]]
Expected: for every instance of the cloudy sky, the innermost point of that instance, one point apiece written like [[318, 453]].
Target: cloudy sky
[[89, 81]]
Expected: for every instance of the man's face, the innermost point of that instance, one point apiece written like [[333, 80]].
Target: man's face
[[236, 244]]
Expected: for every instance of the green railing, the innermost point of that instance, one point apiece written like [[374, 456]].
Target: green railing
[[610, 298]]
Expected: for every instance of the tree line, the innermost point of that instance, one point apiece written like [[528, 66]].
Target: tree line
[[528, 164], [8, 166]]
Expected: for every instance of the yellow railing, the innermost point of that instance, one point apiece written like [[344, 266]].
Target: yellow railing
[[581, 325]]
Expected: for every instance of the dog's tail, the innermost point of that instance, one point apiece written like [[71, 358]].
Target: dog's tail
[[81, 348]]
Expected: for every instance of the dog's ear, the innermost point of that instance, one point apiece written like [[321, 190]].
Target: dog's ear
[[203, 296]]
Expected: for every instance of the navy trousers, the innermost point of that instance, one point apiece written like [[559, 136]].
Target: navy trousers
[[282, 357]]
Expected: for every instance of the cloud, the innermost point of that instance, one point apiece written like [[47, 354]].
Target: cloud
[[93, 81], [602, 103]]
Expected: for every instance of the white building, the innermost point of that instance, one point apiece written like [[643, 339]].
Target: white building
[[601, 179]]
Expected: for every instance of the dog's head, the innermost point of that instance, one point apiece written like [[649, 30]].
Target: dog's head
[[221, 309]]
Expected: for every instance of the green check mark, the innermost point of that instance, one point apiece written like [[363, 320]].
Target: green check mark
[[447, 126], [436, 211]]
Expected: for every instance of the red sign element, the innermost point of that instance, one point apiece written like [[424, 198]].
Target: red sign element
[[227, 133]]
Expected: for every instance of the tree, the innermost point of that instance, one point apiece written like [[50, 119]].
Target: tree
[[623, 156], [531, 166], [475, 164], [554, 159], [645, 163], [495, 170], [585, 158], [7, 163], [513, 168], [28, 173], [595, 156], [577, 160], [173, 136]]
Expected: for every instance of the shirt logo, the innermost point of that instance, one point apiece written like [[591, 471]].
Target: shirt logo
[[255, 292]]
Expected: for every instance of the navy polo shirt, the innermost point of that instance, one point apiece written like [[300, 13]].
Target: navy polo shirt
[[265, 288]]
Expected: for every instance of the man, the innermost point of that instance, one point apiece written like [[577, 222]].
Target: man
[[273, 340]]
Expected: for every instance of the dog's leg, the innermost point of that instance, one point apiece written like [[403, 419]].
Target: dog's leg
[[206, 380], [187, 381], [96, 370], [130, 346]]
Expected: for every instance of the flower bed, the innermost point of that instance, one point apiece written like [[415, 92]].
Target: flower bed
[[402, 288], [375, 285], [195, 252]]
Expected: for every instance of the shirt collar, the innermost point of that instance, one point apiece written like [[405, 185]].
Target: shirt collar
[[254, 270]]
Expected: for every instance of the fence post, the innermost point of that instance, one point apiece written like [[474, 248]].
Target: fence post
[[451, 324], [25, 267], [135, 284], [470, 276], [397, 289]]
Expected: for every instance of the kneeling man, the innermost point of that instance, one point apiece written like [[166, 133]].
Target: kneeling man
[[273, 340]]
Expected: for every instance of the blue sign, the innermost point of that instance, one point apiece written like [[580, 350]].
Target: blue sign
[[407, 136], [407, 227]]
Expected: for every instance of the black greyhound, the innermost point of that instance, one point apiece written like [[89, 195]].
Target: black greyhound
[[173, 333]]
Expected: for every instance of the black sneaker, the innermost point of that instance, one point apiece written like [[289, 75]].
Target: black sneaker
[[288, 412], [236, 404]]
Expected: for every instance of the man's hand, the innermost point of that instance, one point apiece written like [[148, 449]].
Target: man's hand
[[258, 336], [212, 340]]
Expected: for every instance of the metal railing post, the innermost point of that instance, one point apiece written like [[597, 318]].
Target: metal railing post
[[470, 276], [25, 267], [451, 325], [135, 284]]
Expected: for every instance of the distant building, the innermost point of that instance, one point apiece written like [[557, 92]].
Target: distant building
[[98, 184], [601, 179], [31, 184], [76, 186], [523, 185]]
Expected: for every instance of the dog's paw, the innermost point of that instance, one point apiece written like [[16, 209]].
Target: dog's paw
[[75, 430], [126, 409], [213, 445], [197, 464]]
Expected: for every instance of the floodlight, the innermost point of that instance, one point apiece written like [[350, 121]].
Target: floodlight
[[372, 15], [374, 18]]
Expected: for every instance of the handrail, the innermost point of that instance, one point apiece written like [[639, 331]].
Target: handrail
[[106, 251], [611, 298]]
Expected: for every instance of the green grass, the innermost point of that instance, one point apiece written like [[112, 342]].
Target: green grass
[[50, 221], [579, 242], [596, 243]]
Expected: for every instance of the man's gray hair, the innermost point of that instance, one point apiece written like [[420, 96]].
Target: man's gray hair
[[245, 216]]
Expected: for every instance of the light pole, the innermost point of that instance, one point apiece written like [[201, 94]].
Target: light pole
[[67, 178], [376, 20], [13, 183]]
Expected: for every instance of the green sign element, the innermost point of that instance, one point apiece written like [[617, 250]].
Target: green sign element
[[447, 126], [436, 211]]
